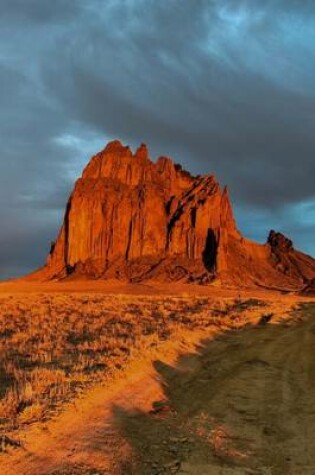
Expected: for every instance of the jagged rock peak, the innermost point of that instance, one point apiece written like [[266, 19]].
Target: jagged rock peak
[[279, 241], [116, 162], [142, 152], [115, 146]]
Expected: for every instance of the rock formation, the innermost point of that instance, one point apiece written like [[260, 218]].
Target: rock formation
[[309, 289], [131, 218]]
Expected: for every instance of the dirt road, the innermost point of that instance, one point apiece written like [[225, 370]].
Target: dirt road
[[243, 404]]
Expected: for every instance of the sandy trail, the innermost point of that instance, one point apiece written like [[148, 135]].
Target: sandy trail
[[242, 404], [85, 438]]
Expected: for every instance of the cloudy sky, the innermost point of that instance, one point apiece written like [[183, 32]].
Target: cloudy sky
[[223, 86]]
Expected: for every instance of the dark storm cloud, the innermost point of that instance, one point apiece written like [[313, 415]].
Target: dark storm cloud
[[222, 86], [161, 83], [37, 11]]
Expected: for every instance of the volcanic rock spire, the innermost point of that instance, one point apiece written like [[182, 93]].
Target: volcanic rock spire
[[131, 218]]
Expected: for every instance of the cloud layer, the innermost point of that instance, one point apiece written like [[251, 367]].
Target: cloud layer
[[221, 85]]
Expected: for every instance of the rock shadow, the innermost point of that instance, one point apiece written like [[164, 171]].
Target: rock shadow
[[192, 426]]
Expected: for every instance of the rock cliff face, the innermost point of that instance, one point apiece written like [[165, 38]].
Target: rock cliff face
[[130, 218]]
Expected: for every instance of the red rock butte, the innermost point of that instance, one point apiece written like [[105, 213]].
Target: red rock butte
[[130, 218]]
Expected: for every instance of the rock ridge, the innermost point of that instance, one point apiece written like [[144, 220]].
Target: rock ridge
[[131, 218]]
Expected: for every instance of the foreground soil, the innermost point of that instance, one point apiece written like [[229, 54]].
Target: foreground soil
[[210, 401]]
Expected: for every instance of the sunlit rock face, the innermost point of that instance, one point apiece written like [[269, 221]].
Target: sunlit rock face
[[131, 218]]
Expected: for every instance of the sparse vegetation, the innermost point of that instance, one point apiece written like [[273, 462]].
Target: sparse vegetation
[[53, 346]]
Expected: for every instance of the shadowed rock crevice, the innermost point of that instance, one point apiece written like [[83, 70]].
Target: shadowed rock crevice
[[129, 240], [66, 232], [209, 254]]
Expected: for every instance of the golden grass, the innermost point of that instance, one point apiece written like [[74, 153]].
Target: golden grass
[[52, 346]]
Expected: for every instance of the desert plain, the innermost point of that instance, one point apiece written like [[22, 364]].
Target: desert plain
[[112, 378]]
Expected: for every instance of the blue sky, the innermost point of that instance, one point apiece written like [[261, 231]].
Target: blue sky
[[221, 86]]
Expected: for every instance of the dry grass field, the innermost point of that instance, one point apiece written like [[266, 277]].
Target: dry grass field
[[55, 345], [75, 366]]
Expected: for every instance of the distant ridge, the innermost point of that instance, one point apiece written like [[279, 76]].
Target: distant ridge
[[130, 218]]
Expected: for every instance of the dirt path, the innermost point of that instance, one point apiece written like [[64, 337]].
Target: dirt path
[[243, 404]]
